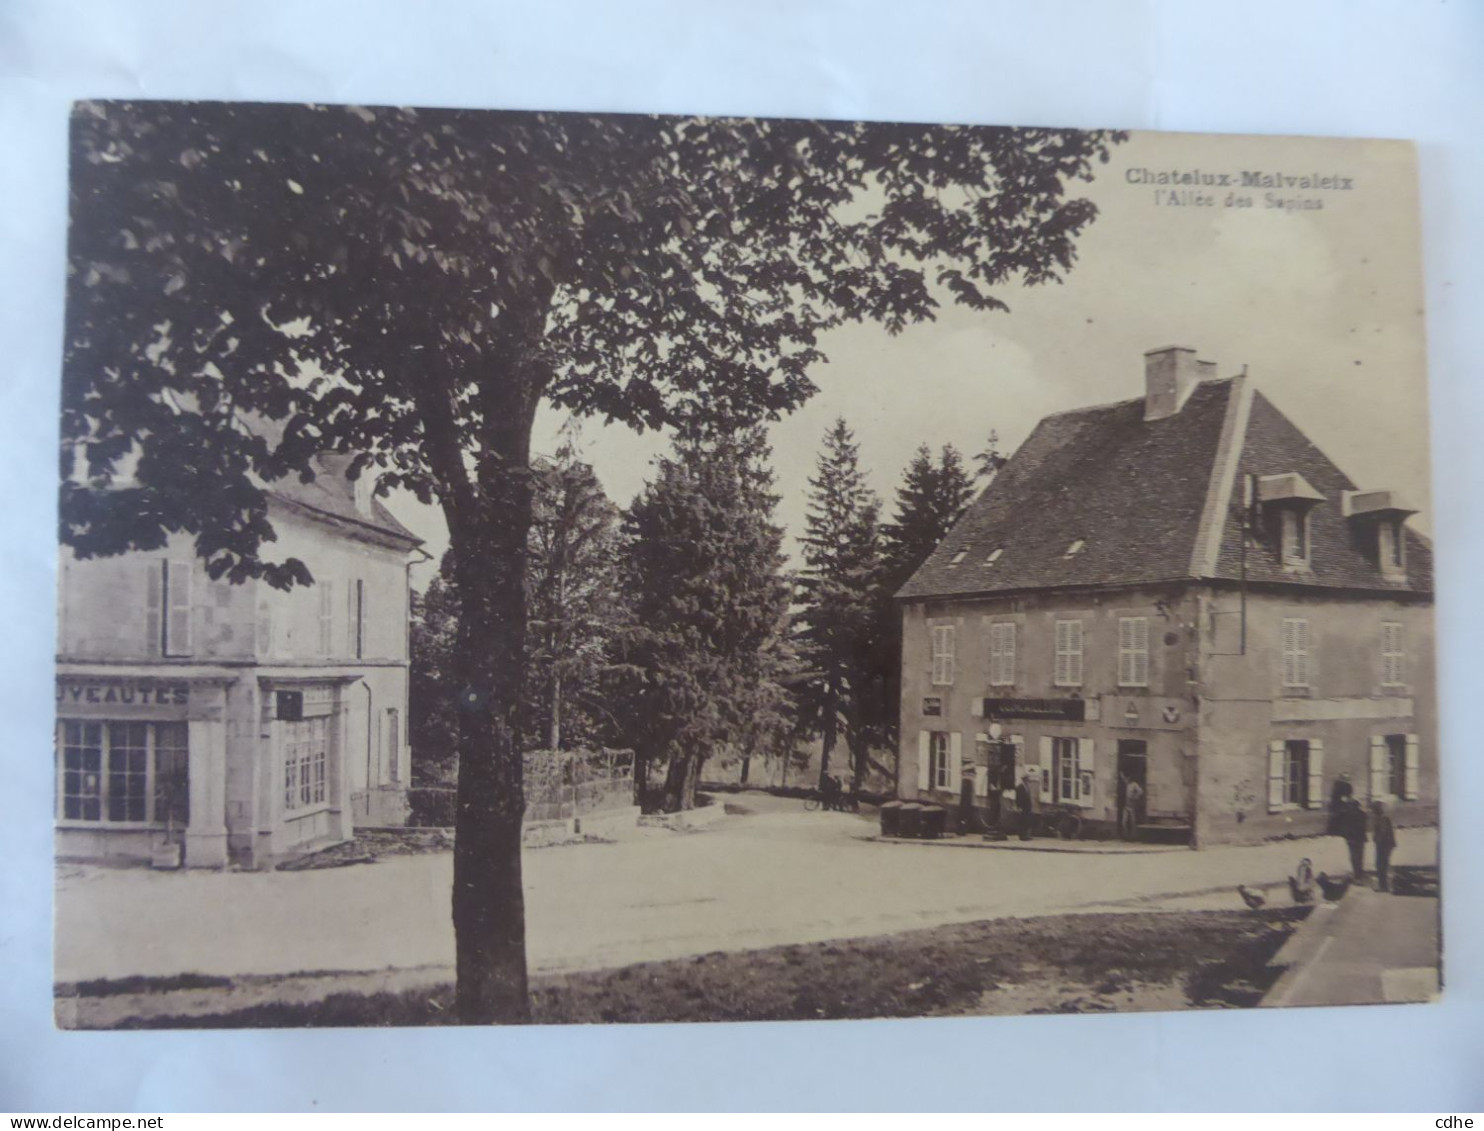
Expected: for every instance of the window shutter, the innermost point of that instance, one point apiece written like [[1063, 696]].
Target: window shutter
[[1075, 660], [1018, 741], [924, 755], [976, 708], [1045, 764], [1304, 663], [1141, 651], [1379, 785], [1086, 770], [178, 626], [1125, 651], [326, 618], [1275, 775], [955, 761], [350, 618], [1410, 771], [154, 604], [981, 768], [1316, 773]]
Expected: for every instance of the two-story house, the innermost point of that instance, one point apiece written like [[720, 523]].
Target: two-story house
[[1181, 591], [240, 723]]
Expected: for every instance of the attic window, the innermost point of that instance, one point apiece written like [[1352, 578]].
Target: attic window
[[1074, 549], [994, 555], [958, 557]]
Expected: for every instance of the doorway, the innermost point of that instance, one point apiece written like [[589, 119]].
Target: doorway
[[1133, 785]]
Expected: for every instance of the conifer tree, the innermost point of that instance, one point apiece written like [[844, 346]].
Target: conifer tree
[[704, 643], [836, 592]]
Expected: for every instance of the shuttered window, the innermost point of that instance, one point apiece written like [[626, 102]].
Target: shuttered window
[[1002, 653], [1068, 653], [1393, 667], [943, 662], [1133, 651], [1296, 659]]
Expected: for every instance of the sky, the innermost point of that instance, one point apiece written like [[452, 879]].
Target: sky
[[1322, 307]]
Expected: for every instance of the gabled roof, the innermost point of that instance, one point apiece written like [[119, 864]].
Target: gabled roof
[[1151, 502], [332, 495]]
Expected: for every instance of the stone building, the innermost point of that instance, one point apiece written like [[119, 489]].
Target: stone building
[[1181, 591], [220, 723]]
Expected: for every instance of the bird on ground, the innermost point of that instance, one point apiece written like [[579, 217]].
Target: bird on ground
[[1332, 887], [1251, 898], [1300, 893]]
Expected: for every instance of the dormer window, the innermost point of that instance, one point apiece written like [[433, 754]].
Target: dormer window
[[1293, 527], [958, 557], [1074, 549], [994, 555], [1286, 501], [1379, 519]]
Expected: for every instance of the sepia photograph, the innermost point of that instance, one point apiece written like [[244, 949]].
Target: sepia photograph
[[586, 568]]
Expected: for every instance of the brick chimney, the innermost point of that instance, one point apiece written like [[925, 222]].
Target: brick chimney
[[1170, 376]]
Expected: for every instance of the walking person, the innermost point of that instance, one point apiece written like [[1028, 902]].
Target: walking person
[[1027, 802], [1383, 832], [1353, 829]]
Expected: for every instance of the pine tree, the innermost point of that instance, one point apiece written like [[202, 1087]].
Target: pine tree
[[836, 593], [703, 647], [930, 500]]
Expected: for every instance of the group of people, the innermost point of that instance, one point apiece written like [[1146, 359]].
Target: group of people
[[1348, 820]]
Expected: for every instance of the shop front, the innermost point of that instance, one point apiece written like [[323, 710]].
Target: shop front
[[140, 768]]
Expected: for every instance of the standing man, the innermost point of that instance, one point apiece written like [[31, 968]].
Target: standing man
[[1384, 834], [1027, 801], [1339, 796], [1353, 829]]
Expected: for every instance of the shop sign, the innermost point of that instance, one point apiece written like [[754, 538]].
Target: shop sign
[[122, 694], [1045, 710]]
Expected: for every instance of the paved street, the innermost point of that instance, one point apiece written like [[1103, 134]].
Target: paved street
[[778, 875]]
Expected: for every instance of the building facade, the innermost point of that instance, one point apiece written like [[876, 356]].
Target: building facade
[[1179, 591], [210, 723]]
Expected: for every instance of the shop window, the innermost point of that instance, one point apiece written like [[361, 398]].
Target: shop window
[[1133, 651], [943, 654], [123, 772], [1002, 653], [1393, 666], [305, 762], [1068, 653]]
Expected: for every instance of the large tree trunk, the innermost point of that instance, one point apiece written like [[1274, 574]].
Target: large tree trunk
[[488, 530], [680, 782]]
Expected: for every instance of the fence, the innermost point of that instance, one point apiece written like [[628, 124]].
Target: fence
[[559, 785]]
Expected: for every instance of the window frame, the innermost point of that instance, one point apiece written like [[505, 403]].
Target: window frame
[[939, 759], [1002, 653], [1068, 657], [1066, 770], [146, 782], [1133, 653], [1393, 654], [1296, 668], [1295, 544], [1296, 773], [943, 648], [1396, 765], [305, 764]]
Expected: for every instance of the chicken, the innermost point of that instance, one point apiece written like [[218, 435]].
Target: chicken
[[1333, 888], [1300, 893], [1251, 898]]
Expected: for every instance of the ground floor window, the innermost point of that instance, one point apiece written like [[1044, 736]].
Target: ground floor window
[[1064, 769], [122, 772], [938, 768], [1295, 772], [305, 756], [1396, 765]]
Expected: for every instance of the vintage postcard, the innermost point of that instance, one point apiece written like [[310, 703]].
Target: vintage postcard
[[537, 567]]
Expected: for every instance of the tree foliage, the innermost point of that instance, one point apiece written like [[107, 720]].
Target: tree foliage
[[407, 286], [704, 645], [837, 597]]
